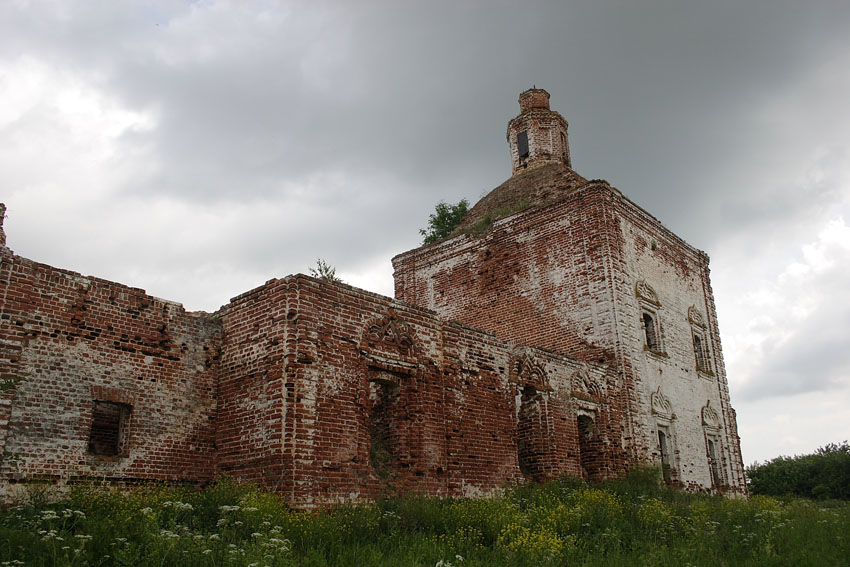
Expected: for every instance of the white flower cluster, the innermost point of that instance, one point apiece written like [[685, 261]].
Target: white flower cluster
[[444, 563]]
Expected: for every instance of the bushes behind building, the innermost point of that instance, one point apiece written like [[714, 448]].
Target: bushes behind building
[[822, 475]]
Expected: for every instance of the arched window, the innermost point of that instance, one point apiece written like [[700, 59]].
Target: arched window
[[564, 155]]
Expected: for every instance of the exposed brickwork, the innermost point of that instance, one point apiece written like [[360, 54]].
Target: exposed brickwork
[[565, 275], [69, 343], [328, 393], [544, 133], [369, 395]]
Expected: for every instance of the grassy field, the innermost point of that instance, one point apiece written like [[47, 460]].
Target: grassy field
[[631, 522]]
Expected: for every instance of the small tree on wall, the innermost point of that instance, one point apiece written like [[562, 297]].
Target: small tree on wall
[[444, 220], [325, 271]]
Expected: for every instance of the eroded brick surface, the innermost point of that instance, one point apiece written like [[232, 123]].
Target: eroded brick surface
[[580, 272], [368, 396], [69, 343]]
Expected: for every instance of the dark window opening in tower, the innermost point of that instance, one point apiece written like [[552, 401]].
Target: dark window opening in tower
[[649, 332], [522, 144], [564, 147]]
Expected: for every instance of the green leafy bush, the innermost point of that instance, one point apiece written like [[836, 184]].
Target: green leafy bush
[[822, 475], [444, 220]]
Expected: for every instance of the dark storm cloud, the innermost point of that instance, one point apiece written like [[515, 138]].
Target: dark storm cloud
[[659, 95]]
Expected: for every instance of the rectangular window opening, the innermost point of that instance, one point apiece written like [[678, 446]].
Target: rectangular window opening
[[108, 428], [664, 449], [714, 463], [701, 353], [522, 144], [651, 333]]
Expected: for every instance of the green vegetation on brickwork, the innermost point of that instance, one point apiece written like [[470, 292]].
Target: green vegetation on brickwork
[[325, 271], [443, 221], [627, 523], [484, 224], [822, 475]]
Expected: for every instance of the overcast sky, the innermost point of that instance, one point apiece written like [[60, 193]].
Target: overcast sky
[[198, 149]]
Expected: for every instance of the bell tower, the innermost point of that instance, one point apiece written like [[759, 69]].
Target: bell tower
[[538, 135]]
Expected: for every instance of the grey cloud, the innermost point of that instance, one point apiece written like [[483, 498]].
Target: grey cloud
[[408, 104], [815, 359], [809, 353]]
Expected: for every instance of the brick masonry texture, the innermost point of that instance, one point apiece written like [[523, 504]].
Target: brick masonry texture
[[560, 339], [68, 342]]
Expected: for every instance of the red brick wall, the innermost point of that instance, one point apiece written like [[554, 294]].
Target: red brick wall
[[258, 352], [540, 277], [68, 341], [562, 277], [379, 397]]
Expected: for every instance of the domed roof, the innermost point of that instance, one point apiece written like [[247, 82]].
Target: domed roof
[[536, 186]]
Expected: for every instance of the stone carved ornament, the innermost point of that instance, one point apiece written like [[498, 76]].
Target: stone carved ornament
[[661, 404], [583, 384], [391, 332], [527, 371], [710, 417], [695, 317], [644, 291]]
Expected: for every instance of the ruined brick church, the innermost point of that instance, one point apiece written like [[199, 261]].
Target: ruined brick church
[[560, 330]]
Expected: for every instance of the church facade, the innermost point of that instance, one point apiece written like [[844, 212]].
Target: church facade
[[561, 330]]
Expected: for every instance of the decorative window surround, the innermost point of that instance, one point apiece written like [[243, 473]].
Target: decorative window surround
[[649, 320], [699, 334]]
